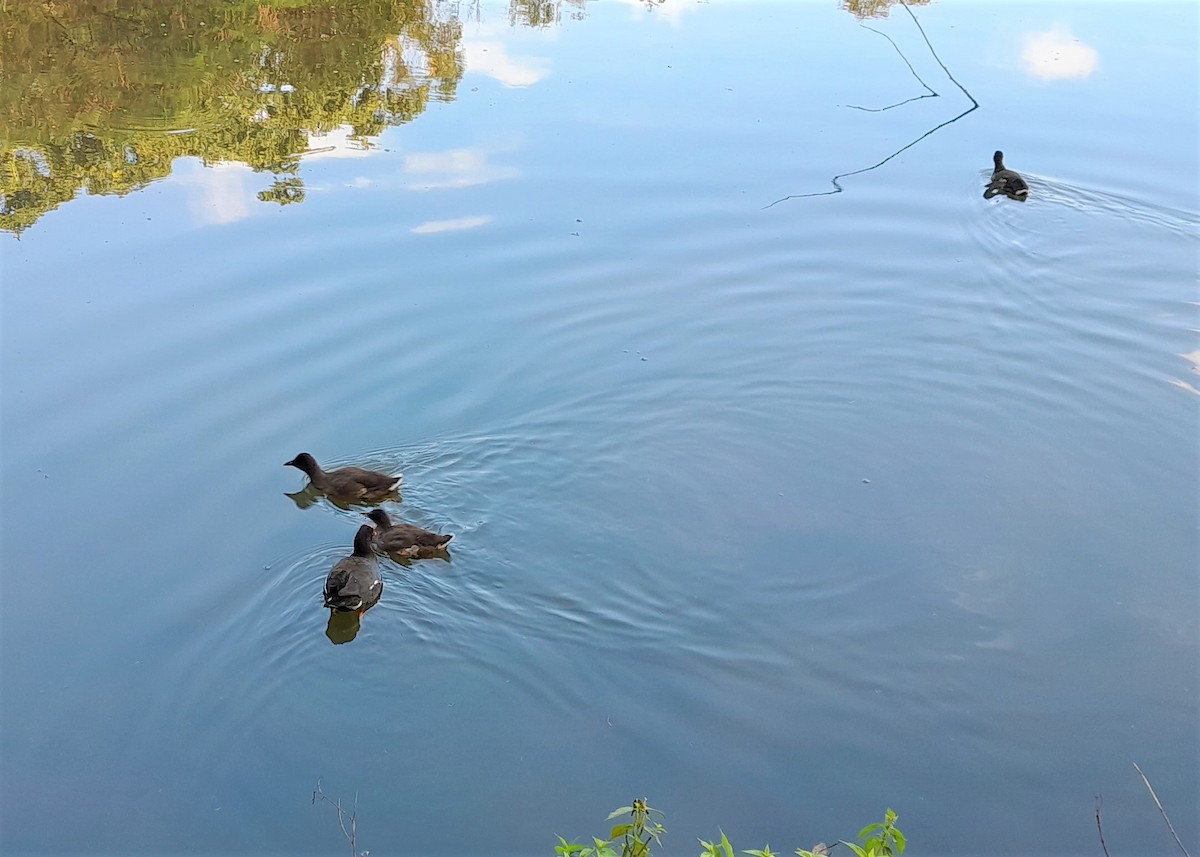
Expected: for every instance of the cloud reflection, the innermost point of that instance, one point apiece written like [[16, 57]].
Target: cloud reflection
[[336, 144], [670, 11], [453, 168], [224, 193], [491, 57], [457, 224], [1056, 54], [1194, 359]]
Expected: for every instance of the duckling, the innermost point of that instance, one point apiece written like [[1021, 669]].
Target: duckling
[[1005, 181], [348, 485], [354, 584], [405, 540]]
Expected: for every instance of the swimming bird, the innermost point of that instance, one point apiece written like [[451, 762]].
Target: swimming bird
[[1005, 181], [405, 540], [347, 484], [354, 584]]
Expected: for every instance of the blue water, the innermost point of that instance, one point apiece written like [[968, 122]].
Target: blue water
[[777, 515]]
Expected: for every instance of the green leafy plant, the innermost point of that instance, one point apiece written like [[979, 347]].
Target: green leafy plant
[[721, 848], [633, 839], [636, 835], [880, 840]]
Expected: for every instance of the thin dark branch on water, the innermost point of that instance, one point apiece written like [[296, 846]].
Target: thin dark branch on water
[[1157, 803], [351, 834], [931, 94], [974, 106], [834, 180], [890, 106], [935, 56], [1099, 829]]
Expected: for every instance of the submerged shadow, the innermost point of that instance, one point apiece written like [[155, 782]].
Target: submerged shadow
[[342, 627], [310, 496], [998, 187]]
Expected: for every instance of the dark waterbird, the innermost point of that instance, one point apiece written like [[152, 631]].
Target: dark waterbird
[[1005, 181], [347, 485], [354, 584], [405, 540]]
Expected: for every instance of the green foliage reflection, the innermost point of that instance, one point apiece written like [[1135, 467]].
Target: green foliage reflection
[[876, 8], [104, 95]]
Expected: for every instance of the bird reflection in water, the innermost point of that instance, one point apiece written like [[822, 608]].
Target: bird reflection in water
[[343, 627]]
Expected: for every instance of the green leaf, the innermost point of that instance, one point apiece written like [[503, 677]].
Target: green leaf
[[725, 846], [619, 830], [625, 810], [854, 848], [868, 829], [567, 849], [898, 838]]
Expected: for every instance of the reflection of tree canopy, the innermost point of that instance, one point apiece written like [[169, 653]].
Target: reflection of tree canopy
[[875, 8], [542, 13], [105, 94]]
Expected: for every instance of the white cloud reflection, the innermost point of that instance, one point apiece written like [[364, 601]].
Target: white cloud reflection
[[453, 168], [457, 224], [1056, 54], [490, 57], [335, 144], [1194, 359], [670, 11], [221, 192]]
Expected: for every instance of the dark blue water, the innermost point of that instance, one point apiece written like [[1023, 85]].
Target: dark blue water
[[779, 516]]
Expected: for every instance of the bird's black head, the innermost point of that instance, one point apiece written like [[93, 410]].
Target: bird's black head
[[380, 517], [304, 461], [362, 540]]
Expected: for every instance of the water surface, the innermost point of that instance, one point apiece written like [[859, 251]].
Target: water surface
[[778, 515]]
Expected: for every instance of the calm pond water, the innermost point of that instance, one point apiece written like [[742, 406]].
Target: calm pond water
[[778, 514]]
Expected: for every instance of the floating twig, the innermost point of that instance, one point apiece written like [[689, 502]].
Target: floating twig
[[1100, 830], [935, 56], [351, 834], [931, 94], [974, 106], [1157, 803]]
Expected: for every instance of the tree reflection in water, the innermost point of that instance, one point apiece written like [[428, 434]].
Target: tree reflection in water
[[104, 95]]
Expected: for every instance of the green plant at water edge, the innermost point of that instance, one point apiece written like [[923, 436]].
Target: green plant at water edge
[[878, 840], [881, 840], [633, 839], [633, 836]]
